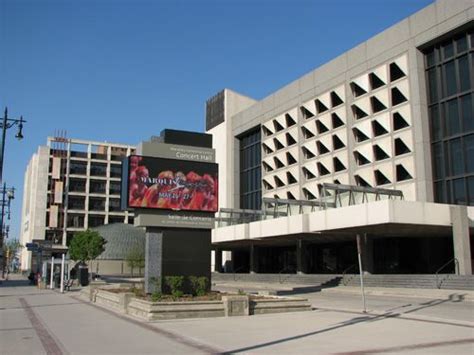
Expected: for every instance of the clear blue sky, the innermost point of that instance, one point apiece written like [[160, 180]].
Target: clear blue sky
[[123, 70]]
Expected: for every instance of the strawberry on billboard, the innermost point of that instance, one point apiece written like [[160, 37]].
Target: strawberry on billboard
[[170, 184]]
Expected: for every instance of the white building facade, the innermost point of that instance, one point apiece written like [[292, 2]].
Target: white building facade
[[395, 112]]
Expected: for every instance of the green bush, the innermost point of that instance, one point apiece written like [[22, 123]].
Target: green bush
[[175, 284], [199, 285], [156, 296]]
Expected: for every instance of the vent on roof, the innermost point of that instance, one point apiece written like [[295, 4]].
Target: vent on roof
[[290, 159], [336, 121], [380, 179], [321, 127], [267, 149], [308, 174], [320, 107], [278, 182], [322, 149], [401, 147], [402, 173], [358, 112], [395, 72], [308, 195], [278, 163], [290, 140], [357, 90], [337, 143], [359, 135], [307, 153], [306, 113], [378, 129], [278, 126], [290, 178], [278, 145], [335, 99], [338, 166], [361, 182], [375, 81], [306, 133], [377, 105], [399, 122], [379, 153], [267, 186], [267, 167], [289, 120], [360, 159], [322, 170], [397, 97]]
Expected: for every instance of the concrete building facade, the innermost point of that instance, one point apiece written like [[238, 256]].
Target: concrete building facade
[[71, 185], [397, 113]]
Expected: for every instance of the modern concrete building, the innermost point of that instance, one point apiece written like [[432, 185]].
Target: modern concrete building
[[394, 113], [71, 185]]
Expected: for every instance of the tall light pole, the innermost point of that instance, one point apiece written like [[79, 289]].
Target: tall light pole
[[8, 194], [6, 124]]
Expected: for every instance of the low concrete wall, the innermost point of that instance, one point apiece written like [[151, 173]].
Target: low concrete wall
[[229, 306], [278, 305], [175, 310]]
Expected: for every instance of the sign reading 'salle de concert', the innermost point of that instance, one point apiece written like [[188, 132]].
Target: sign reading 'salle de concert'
[[178, 188]]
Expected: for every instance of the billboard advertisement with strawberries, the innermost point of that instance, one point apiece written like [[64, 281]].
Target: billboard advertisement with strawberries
[[170, 184]]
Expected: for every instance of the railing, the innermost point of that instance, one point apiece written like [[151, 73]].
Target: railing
[[234, 272], [344, 273], [285, 269], [456, 271]]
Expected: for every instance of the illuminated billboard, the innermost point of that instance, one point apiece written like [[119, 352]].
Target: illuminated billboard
[[170, 184]]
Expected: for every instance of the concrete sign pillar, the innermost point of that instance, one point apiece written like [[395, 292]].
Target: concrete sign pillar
[[462, 247], [153, 261]]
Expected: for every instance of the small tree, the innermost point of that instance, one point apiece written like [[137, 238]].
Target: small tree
[[86, 246], [10, 249], [136, 258]]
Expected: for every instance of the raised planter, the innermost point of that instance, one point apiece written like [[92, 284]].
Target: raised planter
[[175, 310], [230, 305], [278, 305]]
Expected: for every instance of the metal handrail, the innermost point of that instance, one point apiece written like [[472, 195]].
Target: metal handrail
[[282, 270], [456, 270], [345, 272], [235, 271]]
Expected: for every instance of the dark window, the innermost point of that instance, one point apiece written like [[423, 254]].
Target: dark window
[[96, 220], [78, 167], [449, 69], [115, 188], [250, 169], [115, 170], [116, 219], [77, 185], [76, 202], [96, 204], [75, 220], [98, 169], [114, 205], [97, 186]]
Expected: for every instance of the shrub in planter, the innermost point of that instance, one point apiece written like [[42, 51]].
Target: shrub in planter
[[175, 284], [199, 285]]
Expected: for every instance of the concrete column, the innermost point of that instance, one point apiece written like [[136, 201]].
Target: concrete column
[[153, 261], [368, 254], [301, 262], [462, 247], [218, 260], [63, 260], [253, 259], [51, 284]]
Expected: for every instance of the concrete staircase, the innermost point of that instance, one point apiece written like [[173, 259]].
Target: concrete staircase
[[443, 281]]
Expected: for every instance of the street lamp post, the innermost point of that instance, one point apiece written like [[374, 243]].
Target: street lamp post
[[6, 124], [8, 194]]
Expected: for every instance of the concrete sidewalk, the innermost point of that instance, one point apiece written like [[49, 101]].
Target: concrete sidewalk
[[44, 321]]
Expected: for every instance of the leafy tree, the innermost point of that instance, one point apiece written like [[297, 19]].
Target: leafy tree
[[86, 245], [10, 248], [136, 258]]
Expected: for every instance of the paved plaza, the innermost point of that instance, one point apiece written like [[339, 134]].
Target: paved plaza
[[36, 321]]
